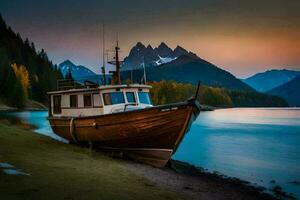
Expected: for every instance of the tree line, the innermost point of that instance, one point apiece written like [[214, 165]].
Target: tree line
[[165, 92], [25, 73]]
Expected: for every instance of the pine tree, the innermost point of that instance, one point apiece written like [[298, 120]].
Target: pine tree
[[41, 73]]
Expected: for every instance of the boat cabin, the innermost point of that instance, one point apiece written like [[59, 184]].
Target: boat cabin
[[98, 101]]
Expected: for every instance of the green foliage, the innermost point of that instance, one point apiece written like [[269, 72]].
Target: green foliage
[[169, 92], [255, 99], [19, 97], [41, 72], [215, 97], [165, 92]]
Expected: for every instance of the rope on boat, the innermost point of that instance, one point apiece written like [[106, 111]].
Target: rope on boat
[[72, 131]]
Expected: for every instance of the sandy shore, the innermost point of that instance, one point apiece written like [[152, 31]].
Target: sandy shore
[[57, 171]]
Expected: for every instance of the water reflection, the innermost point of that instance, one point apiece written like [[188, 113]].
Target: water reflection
[[258, 145]]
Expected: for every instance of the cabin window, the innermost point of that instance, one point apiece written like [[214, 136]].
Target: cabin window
[[113, 98], [97, 100], [87, 100], [144, 97], [57, 104], [130, 97], [73, 101]]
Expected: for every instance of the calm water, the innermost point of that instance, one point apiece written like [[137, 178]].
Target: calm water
[[257, 145]]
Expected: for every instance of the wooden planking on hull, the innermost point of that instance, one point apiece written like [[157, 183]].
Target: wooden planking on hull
[[164, 129], [105, 128], [149, 135]]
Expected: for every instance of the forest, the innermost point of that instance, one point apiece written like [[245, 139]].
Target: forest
[[165, 92], [25, 73]]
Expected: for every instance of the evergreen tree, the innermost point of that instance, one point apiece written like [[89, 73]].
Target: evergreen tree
[[19, 96], [41, 73]]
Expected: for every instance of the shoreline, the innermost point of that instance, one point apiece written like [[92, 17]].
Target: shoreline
[[259, 192], [180, 177], [31, 105], [197, 184]]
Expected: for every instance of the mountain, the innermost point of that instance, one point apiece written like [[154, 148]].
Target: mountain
[[76, 70], [140, 54], [270, 79], [179, 51], [25, 73], [290, 91], [189, 69], [81, 73]]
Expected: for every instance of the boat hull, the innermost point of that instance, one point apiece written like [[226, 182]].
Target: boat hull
[[149, 135]]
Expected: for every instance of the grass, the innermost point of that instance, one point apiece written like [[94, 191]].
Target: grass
[[63, 171]]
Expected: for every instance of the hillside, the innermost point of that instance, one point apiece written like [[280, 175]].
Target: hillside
[[270, 79], [24, 72], [290, 91], [189, 69]]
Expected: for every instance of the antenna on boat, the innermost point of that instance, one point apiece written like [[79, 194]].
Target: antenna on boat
[[116, 78], [131, 75], [103, 55], [145, 80]]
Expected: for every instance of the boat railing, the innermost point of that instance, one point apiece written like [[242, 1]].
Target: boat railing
[[81, 82]]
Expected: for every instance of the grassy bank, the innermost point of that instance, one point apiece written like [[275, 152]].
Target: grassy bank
[[62, 171]]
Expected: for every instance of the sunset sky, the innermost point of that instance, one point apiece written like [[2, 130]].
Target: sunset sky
[[243, 37]]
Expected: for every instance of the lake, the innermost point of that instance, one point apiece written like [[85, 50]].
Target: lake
[[260, 145]]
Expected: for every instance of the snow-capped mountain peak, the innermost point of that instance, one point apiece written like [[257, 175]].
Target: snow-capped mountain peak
[[150, 56], [163, 60]]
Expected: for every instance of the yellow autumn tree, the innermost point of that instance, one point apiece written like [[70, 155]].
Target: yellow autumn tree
[[165, 92], [22, 76]]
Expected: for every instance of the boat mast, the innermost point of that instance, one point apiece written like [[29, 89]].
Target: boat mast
[[116, 79], [103, 56]]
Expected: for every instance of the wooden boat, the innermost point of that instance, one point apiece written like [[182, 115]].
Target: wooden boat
[[121, 118]]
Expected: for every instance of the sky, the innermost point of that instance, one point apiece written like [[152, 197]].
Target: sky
[[240, 36]]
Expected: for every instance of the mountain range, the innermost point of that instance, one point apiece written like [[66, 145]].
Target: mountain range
[[163, 63], [270, 79], [290, 91], [183, 66], [150, 57]]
